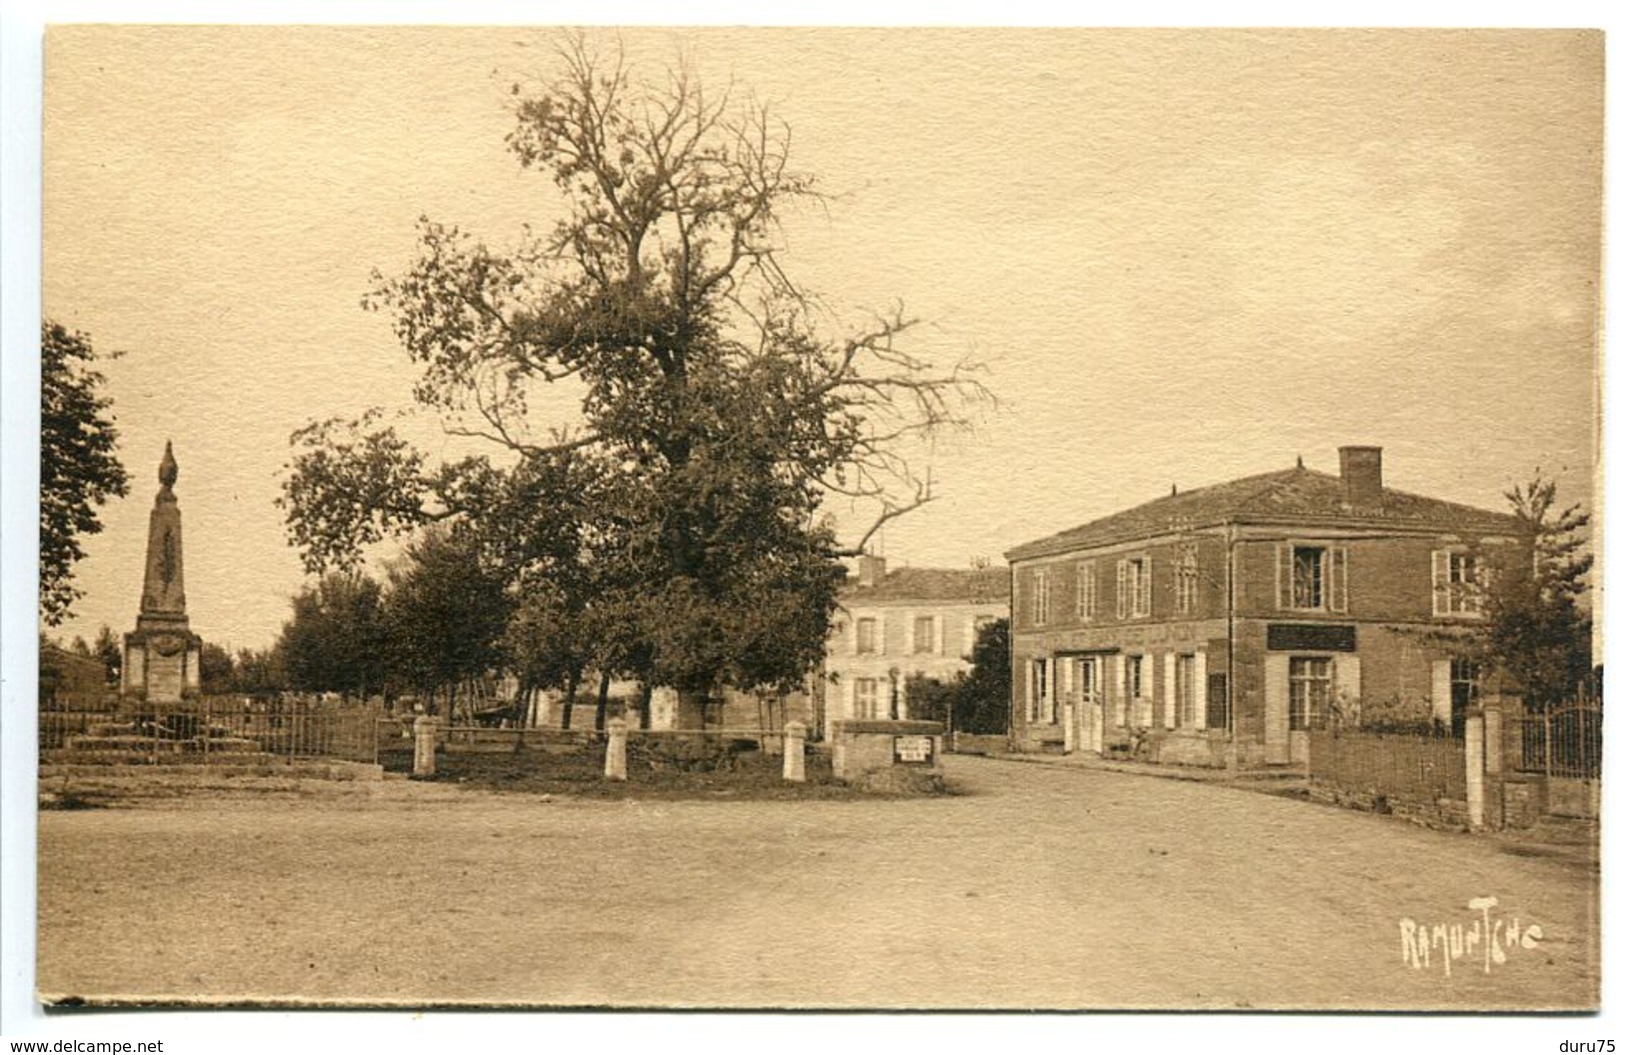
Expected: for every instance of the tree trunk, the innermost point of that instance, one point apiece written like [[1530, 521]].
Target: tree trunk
[[603, 703], [646, 698], [570, 685], [691, 709]]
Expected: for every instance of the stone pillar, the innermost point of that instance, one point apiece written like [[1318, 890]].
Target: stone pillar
[[795, 752], [1494, 759], [1069, 728], [1475, 769], [423, 730], [615, 756]]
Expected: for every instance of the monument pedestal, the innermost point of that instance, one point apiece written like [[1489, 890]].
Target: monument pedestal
[[161, 656]]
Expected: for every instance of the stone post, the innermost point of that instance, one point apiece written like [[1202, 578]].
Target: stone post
[[795, 751], [1494, 758], [423, 729], [1475, 769], [1069, 728], [615, 757]]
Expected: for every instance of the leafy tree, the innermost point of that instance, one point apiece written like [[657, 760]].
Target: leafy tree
[[444, 615], [986, 695], [259, 672], [110, 651], [1537, 628], [79, 466], [710, 414], [215, 670], [334, 643], [980, 700]]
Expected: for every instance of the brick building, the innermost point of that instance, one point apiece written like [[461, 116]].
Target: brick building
[[892, 626], [1290, 593]]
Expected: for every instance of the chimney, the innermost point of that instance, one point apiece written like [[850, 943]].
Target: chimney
[[1362, 475], [871, 570]]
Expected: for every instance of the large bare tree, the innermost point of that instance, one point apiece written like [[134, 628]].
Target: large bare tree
[[712, 414]]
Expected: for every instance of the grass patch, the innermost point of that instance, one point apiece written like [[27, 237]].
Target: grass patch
[[739, 776]]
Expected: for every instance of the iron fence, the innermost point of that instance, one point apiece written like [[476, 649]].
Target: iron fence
[[217, 730], [1563, 742]]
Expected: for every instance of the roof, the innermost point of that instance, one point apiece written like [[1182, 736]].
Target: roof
[[1300, 494], [959, 585]]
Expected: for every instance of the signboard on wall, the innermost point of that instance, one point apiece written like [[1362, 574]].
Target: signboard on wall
[[1311, 637], [912, 750]]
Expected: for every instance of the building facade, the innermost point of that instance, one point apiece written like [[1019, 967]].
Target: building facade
[[893, 626], [1219, 625]]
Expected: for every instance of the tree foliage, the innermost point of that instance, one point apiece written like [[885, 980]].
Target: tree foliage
[[979, 700], [335, 640], [675, 509], [443, 614], [79, 466], [1536, 628]]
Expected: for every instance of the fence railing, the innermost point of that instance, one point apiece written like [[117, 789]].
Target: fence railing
[[1393, 765], [1564, 742], [218, 730]]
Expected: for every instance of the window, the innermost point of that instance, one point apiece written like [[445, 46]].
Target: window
[[1312, 577], [1185, 691], [866, 636], [1309, 682], [1040, 705], [1457, 578], [1088, 590], [1134, 588], [1308, 577], [925, 633], [1040, 597], [1185, 582], [866, 698], [1463, 694]]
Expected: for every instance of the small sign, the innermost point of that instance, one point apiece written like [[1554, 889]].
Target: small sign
[[912, 750]]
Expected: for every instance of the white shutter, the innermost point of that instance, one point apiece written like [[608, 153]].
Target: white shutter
[[1199, 689], [1441, 690], [939, 623], [1276, 719], [1145, 587], [1338, 581], [908, 633], [1170, 714], [1346, 684], [1122, 589], [1441, 583], [1032, 703], [1120, 702]]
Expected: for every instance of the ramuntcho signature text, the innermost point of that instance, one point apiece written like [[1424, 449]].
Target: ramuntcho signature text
[[1486, 939]]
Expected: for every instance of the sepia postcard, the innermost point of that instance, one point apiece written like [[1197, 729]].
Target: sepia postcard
[[820, 519]]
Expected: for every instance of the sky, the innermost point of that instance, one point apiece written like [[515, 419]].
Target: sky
[[1182, 256]]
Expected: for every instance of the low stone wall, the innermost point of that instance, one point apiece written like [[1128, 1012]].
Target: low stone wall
[[860, 748], [978, 744], [1422, 778]]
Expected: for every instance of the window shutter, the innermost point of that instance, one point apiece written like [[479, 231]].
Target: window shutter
[[1441, 690], [1120, 704], [1122, 589], [1283, 575], [1170, 715], [939, 623], [908, 633], [1338, 581], [1145, 587], [1199, 690], [880, 632], [1441, 582]]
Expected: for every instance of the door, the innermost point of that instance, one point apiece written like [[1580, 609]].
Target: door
[[1088, 685]]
